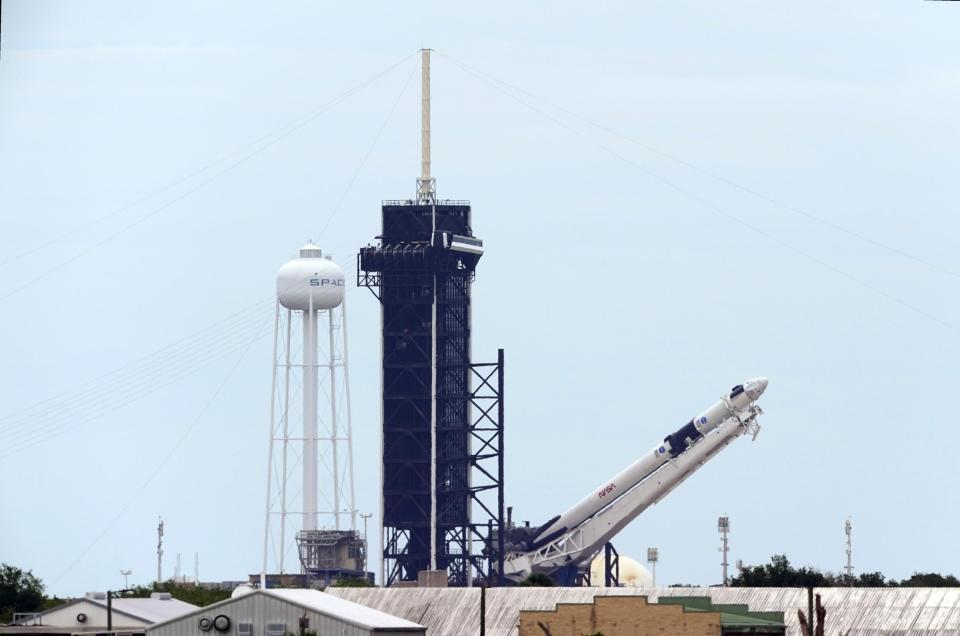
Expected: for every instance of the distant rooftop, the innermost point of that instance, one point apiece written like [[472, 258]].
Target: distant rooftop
[[331, 605]]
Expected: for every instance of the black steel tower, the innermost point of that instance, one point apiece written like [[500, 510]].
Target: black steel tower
[[442, 414]]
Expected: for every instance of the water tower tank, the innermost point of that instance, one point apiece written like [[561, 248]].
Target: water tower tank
[[310, 281]]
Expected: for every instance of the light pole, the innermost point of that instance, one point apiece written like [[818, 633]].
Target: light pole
[[366, 544], [653, 555]]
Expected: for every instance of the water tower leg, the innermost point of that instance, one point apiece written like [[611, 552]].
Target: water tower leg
[[310, 389]]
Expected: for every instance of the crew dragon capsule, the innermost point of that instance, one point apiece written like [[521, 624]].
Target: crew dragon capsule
[[736, 402]]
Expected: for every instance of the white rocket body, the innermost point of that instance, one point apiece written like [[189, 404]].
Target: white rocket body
[[739, 398]]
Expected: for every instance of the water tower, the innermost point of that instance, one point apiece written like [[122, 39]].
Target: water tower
[[310, 494]]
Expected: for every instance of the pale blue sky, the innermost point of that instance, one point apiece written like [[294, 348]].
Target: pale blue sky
[[624, 305]]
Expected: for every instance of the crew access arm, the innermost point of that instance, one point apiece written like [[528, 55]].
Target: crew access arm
[[566, 544]]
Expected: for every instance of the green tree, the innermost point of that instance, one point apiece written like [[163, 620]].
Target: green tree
[[188, 593], [930, 579], [352, 581], [537, 580], [19, 592], [778, 573], [865, 579]]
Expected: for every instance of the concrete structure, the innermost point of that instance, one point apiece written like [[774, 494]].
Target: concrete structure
[[89, 615], [634, 616], [850, 611], [280, 612]]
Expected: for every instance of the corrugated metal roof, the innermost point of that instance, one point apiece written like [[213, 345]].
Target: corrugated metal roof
[[357, 613], [150, 609], [850, 611]]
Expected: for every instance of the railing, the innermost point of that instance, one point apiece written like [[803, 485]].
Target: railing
[[414, 202]]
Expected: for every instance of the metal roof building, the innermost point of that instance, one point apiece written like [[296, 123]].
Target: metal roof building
[[278, 612], [850, 611], [89, 614]]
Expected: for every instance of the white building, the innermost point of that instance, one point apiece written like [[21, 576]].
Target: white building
[[282, 612], [89, 615]]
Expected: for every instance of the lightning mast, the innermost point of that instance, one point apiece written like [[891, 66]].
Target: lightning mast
[[426, 185]]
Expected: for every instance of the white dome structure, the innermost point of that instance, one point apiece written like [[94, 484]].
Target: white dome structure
[[242, 590], [632, 574], [310, 282]]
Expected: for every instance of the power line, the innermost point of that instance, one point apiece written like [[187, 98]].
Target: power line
[[258, 147], [709, 173], [107, 400], [366, 156], [153, 475], [670, 184], [131, 382]]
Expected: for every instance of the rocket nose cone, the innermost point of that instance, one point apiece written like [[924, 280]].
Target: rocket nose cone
[[754, 388]]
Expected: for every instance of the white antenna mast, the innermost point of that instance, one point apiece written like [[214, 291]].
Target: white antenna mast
[[159, 552], [723, 526], [848, 528], [426, 185]]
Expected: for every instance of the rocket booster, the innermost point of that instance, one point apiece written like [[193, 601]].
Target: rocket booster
[[739, 398]]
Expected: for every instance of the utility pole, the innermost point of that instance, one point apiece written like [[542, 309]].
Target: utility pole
[[110, 594], [159, 552], [483, 610], [366, 544]]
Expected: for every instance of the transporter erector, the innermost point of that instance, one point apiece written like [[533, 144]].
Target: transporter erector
[[564, 546]]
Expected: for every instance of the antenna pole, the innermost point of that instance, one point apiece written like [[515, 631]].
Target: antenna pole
[[848, 528], [426, 185], [723, 525], [159, 552]]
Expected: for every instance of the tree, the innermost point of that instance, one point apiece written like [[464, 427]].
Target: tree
[[778, 573], [537, 580], [930, 579], [19, 592], [865, 579], [187, 593], [352, 581]]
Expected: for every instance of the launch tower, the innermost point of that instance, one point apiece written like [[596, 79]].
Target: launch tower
[[442, 461]]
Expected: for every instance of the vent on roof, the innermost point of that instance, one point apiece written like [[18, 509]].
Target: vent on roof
[[161, 596]]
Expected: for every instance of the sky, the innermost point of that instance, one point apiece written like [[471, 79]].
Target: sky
[[673, 197]]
